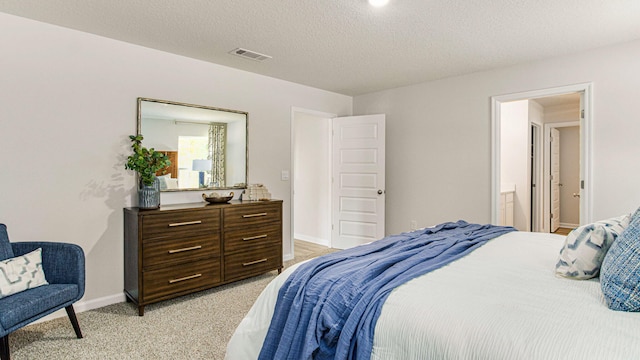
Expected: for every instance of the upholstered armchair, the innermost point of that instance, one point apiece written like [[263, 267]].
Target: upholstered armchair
[[63, 267]]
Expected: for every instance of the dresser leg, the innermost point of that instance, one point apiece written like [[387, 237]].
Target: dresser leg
[[140, 310]]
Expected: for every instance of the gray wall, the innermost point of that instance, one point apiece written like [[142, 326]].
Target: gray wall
[[68, 106], [442, 132]]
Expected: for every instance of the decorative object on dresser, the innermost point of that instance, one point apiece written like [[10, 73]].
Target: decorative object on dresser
[[255, 192], [216, 198], [183, 248], [146, 162]]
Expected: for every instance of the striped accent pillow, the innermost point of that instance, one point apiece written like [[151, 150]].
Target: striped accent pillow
[[620, 273], [586, 246], [21, 273]]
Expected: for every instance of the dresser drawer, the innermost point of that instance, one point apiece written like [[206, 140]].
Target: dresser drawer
[[180, 224], [178, 278], [168, 251], [252, 262], [243, 216], [252, 237]]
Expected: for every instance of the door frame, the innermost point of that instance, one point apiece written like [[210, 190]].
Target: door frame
[[586, 140], [315, 113]]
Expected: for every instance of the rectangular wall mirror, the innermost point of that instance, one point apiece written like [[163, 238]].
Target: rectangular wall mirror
[[207, 146]]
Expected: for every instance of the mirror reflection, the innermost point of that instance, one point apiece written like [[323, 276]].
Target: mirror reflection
[[207, 146]]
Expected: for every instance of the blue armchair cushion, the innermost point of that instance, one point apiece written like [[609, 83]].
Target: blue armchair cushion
[[6, 251], [21, 273], [64, 266], [24, 306]]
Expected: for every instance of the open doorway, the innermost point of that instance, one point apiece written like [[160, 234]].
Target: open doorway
[[564, 175], [311, 176], [523, 161], [338, 178]]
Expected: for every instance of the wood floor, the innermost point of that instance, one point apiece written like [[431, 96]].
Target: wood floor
[[305, 248], [563, 231]]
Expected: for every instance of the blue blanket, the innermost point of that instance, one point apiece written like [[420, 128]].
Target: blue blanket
[[328, 308]]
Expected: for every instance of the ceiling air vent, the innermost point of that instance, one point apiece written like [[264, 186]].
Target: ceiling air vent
[[248, 54]]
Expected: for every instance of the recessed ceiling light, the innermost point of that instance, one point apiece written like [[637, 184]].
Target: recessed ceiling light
[[378, 3]]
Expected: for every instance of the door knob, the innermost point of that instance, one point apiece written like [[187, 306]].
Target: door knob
[[576, 195], [380, 192]]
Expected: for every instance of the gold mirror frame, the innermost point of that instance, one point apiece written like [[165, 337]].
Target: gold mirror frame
[[165, 121]]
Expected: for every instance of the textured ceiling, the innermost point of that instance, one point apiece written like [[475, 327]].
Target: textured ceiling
[[347, 46]]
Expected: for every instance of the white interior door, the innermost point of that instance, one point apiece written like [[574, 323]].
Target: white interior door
[[555, 179], [358, 180]]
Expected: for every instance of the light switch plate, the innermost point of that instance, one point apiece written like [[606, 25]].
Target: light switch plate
[[284, 175]]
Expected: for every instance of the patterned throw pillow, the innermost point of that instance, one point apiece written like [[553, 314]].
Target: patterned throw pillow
[[620, 273], [585, 247], [21, 273]]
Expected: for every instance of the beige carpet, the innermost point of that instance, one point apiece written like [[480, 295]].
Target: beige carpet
[[196, 326]]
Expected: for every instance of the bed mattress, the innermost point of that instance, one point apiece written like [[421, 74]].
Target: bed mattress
[[502, 301]]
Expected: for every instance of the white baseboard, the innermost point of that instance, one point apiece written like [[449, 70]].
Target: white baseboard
[[82, 306], [570, 226], [312, 239]]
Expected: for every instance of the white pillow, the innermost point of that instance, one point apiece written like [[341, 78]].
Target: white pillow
[[172, 183], [21, 273], [163, 181], [585, 247]]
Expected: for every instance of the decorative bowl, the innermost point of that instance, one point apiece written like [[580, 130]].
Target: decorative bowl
[[215, 198]]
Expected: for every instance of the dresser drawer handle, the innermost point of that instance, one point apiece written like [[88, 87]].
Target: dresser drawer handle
[[185, 249], [254, 237], [255, 262], [184, 278], [254, 215], [186, 223]]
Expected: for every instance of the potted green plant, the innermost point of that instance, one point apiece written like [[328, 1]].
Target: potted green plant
[[146, 162]]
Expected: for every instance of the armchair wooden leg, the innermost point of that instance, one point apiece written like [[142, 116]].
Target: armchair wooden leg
[[74, 321], [4, 348]]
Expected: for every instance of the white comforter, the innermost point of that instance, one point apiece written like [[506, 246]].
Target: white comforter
[[502, 301]]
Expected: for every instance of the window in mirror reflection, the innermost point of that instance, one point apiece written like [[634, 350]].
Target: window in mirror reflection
[[192, 159], [206, 146]]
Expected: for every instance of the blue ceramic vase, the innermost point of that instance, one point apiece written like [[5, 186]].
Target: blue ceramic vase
[[149, 196]]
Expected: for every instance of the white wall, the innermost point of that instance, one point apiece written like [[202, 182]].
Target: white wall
[[444, 126], [514, 150], [562, 113], [312, 192], [160, 134], [68, 104]]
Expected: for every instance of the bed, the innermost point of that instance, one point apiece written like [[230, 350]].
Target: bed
[[501, 301]]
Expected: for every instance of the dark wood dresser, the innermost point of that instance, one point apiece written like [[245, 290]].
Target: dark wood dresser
[[183, 248]]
